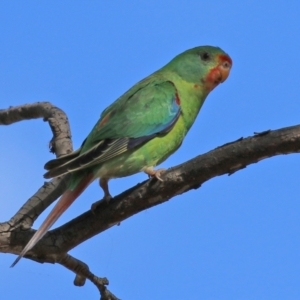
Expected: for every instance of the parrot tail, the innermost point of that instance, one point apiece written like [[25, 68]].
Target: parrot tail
[[63, 203]]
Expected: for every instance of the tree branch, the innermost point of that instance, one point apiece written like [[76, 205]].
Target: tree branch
[[82, 272], [60, 144], [226, 159]]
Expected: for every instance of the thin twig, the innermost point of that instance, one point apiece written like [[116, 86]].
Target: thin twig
[[82, 272]]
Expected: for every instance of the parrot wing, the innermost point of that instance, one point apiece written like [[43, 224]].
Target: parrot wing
[[150, 108]]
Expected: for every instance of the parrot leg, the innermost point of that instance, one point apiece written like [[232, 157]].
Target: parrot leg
[[103, 182], [154, 173]]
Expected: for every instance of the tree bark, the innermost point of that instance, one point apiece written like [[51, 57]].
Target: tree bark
[[53, 248]]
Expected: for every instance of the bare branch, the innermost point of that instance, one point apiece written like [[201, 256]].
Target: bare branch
[[82, 272], [53, 248], [192, 174], [61, 142]]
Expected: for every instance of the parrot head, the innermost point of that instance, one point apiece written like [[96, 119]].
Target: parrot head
[[206, 66]]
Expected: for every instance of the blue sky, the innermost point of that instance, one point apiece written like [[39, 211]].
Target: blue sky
[[236, 237]]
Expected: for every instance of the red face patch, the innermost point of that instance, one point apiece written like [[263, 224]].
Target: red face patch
[[213, 78]]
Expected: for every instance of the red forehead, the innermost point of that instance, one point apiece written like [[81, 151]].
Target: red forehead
[[223, 58]]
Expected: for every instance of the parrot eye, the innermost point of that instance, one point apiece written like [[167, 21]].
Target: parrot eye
[[205, 56]]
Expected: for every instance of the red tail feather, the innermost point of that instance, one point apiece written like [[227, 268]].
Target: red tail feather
[[63, 203]]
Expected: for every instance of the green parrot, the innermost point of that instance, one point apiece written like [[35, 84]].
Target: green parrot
[[140, 129]]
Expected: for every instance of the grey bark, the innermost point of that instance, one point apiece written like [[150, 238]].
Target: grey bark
[[53, 248]]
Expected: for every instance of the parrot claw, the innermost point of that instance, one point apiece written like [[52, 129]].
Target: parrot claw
[[154, 173], [96, 204]]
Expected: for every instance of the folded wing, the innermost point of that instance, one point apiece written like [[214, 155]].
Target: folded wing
[[149, 109]]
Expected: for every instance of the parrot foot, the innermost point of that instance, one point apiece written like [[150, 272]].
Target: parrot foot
[[154, 173], [98, 203]]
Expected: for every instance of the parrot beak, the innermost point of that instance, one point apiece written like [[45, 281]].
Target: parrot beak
[[224, 67]]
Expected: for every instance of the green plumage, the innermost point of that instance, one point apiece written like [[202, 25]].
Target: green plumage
[[140, 129], [145, 125]]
